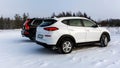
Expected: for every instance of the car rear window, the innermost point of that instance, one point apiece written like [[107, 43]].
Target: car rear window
[[47, 22], [28, 21], [36, 22]]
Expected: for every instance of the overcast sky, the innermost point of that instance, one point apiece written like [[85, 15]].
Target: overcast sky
[[97, 9]]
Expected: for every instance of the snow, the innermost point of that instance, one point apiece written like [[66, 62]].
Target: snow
[[19, 52]]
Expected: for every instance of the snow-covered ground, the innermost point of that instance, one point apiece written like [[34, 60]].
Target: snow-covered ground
[[19, 52]]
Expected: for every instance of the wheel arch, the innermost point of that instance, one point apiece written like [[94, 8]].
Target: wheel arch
[[107, 34], [66, 36]]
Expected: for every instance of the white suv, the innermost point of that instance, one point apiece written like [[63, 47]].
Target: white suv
[[66, 32]]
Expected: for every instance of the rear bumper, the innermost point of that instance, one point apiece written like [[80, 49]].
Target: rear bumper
[[40, 43], [45, 45], [25, 33]]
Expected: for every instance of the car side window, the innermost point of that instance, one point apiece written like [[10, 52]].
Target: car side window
[[88, 23], [73, 22], [65, 22]]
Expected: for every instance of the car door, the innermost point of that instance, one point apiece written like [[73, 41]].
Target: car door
[[92, 30], [76, 29]]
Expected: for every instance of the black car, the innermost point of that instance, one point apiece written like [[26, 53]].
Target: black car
[[29, 28]]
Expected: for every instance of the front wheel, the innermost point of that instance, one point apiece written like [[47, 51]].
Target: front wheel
[[65, 46], [104, 41]]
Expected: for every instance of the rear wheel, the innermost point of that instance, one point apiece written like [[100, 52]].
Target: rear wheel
[[104, 41], [66, 46]]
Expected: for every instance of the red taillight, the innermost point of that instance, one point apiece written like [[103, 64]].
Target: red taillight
[[51, 28], [27, 27]]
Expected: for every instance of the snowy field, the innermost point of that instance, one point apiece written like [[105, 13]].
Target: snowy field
[[19, 52]]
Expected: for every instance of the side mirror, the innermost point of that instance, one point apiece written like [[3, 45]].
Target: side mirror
[[95, 26], [99, 25]]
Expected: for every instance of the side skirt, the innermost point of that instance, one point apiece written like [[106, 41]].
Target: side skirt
[[87, 43]]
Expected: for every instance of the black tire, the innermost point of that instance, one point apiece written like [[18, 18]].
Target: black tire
[[65, 46], [104, 40], [32, 38]]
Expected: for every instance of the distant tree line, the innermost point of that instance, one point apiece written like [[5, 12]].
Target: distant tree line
[[70, 14], [110, 22], [17, 22]]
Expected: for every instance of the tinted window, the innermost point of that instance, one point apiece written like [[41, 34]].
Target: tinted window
[[36, 22], [73, 22], [47, 22], [65, 22], [88, 23]]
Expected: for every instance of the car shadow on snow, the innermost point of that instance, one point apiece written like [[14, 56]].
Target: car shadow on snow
[[45, 51], [26, 40], [34, 48]]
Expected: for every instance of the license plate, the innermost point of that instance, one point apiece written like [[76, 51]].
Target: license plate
[[40, 36]]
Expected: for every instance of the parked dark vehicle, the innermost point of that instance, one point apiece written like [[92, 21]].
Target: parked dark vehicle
[[29, 28]]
